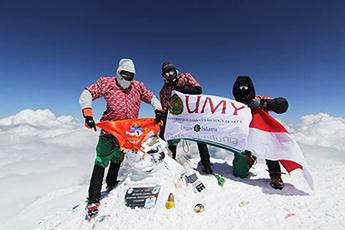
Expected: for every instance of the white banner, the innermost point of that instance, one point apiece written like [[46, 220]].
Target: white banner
[[215, 120]]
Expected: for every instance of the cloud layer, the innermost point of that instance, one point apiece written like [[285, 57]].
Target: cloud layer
[[320, 129], [39, 153]]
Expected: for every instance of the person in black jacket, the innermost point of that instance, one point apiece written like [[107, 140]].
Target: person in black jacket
[[184, 83], [244, 92]]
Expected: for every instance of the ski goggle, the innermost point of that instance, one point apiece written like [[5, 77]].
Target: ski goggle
[[244, 87], [169, 74], [127, 75]]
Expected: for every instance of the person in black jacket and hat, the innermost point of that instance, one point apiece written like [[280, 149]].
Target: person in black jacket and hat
[[244, 92]]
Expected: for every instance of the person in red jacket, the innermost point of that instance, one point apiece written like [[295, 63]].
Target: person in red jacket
[[244, 91], [123, 96], [184, 83]]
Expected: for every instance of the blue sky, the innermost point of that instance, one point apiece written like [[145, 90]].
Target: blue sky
[[51, 50]]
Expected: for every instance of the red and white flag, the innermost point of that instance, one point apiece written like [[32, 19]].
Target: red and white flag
[[268, 139]]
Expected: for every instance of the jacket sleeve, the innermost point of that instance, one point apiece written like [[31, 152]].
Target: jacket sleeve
[[156, 104], [85, 99], [278, 105], [190, 85], [96, 89], [145, 94]]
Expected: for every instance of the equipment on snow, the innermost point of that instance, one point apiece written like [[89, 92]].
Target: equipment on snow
[[242, 163], [170, 202], [189, 176], [220, 179], [199, 208], [192, 178]]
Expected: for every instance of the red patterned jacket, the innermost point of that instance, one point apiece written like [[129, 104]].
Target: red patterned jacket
[[121, 103]]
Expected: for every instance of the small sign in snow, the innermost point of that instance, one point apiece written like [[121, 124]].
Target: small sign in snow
[[142, 197]]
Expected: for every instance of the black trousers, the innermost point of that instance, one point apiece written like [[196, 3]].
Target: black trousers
[[273, 166], [97, 179]]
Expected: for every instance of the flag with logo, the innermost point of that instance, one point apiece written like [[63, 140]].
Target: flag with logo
[[232, 125], [210, 119]]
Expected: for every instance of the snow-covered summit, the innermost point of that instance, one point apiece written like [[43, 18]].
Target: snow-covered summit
[[44, 176]]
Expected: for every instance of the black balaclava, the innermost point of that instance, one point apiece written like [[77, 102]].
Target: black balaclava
[[166, 67], [243, 89]]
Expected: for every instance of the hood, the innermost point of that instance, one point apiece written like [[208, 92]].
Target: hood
[[243, 96], [126, 64]]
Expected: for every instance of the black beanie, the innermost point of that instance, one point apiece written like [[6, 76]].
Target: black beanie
[[167, 65]]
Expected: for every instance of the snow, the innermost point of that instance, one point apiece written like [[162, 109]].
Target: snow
[[46, 163]]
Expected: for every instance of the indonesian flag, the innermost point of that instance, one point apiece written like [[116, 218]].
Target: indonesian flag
[[268, 139]]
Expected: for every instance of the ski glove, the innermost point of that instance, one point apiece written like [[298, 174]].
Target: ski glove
[[188, 89], [159, 115], [257, 102], [89, 122], [278, 105]]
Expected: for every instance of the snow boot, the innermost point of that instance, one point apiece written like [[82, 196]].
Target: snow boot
[[92, 210], [276, 180], [207, 167], [109, 188], [275, 174]]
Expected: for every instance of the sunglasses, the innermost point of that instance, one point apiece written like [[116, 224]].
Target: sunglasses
[[168, 74], [127, 75], [244, 87]]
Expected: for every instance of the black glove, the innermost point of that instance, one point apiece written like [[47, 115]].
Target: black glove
[[159, 115], [90, 123], [188, 89], [257, 102]]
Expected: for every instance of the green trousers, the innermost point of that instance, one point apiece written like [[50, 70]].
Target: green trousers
[[108, 149]]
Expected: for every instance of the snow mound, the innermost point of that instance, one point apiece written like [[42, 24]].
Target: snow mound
[[240, 204]]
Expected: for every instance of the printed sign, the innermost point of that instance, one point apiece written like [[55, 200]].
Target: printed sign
[[211, 119], [142, 197]]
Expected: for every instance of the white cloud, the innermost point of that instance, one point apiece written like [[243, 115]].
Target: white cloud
[[43, 118], [39, 153], [320, 129]]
